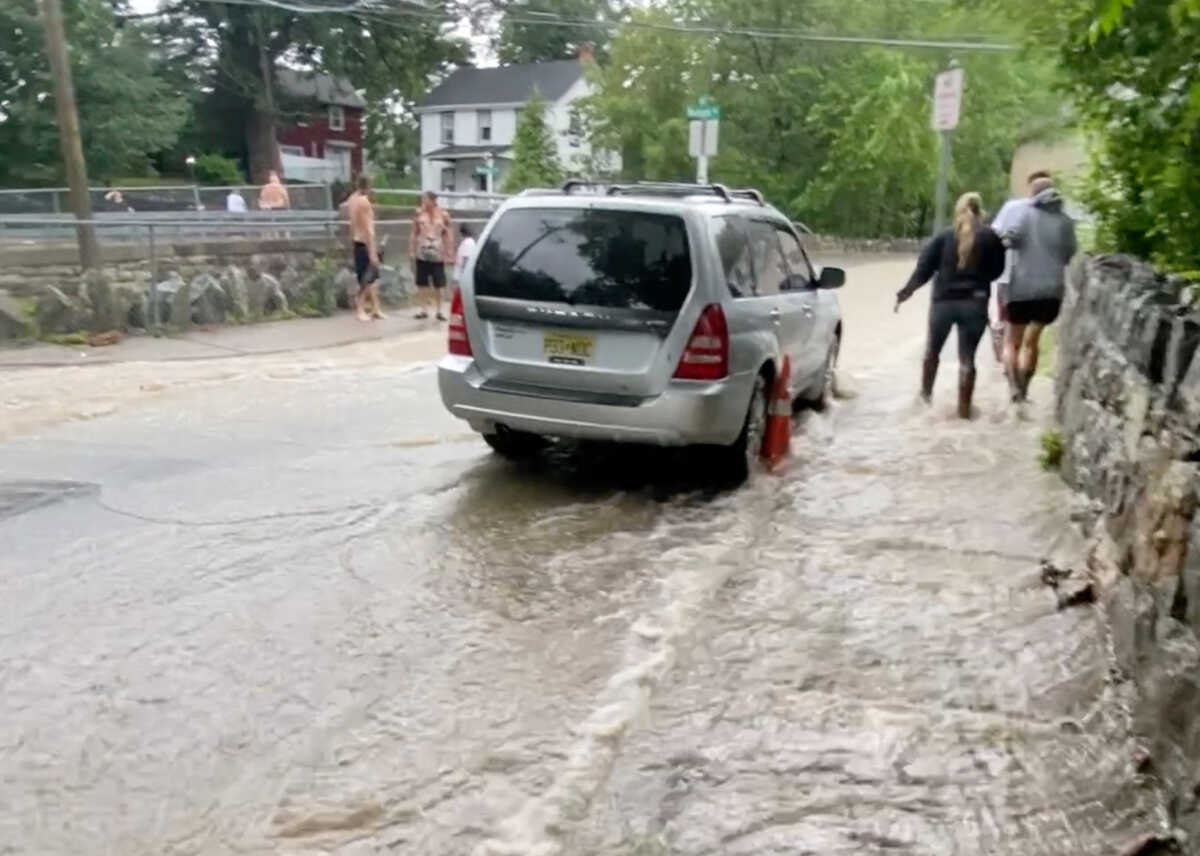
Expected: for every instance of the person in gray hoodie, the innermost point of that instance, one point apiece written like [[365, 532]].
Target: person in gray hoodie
[[1043, 242]]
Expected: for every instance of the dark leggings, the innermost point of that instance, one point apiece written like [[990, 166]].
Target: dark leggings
[[970, 316]]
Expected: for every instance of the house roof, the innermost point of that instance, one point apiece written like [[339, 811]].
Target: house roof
[[456, 152], [507, 84], [320, 87]]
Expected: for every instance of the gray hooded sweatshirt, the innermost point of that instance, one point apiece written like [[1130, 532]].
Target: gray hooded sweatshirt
[[1043, 241]]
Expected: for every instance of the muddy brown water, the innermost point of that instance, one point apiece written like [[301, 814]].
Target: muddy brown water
[[298, 610]]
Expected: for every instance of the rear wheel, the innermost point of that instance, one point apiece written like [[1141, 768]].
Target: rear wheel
[[742, 457], [514, 445]]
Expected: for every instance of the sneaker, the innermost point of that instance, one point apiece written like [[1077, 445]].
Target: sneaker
[[422, 315], [441, 317]]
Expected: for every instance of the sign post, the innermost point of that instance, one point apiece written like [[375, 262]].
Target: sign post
[[488, 171], [947, 105], [704, 121]]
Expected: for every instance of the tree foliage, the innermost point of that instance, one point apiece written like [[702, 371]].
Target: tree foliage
[[126, 109], [1134, 69], [528, 34], [235, 52], [839, 136], [535, 155]]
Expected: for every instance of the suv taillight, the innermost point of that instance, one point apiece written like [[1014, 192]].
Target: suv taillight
[[460, 345], [706, 356]]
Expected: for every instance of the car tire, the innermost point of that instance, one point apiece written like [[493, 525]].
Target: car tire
[[826, 389], [514, 445], [744, 455]]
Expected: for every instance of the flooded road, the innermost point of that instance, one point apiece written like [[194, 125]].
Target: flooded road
[[286, 605]]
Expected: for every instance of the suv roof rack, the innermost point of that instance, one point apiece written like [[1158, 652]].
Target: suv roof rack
[[667, 188]]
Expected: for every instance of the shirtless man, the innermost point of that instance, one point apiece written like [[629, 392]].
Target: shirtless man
[[366, 251]]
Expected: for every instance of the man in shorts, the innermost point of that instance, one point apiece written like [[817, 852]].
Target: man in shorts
[[431, 247], [1004, 220], [366, 251], [1043, 241]]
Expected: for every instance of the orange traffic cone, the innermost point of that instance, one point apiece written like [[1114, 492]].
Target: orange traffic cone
[[779, 419]]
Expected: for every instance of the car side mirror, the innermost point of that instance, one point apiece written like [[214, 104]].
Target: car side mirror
[[831, 277]]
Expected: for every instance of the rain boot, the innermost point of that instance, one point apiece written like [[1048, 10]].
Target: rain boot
[[928, 376], [966, 389], [1023, 378]]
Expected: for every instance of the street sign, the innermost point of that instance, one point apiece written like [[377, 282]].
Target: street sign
[[704, 108], [487, 169], [947, 99], [702, 137]]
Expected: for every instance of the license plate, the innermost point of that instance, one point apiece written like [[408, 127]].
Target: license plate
[[567, 348]]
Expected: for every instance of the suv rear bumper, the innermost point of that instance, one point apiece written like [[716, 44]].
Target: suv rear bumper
[[687, 413]]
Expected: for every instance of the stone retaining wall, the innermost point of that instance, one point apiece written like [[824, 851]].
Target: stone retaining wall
[[1128, 402]]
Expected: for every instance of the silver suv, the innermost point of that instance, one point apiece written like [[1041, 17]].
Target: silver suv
[[646, 313]]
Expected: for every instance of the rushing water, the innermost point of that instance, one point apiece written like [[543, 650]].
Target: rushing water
[[300, 611]]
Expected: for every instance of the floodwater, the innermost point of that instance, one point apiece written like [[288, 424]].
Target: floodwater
[[286, 605]]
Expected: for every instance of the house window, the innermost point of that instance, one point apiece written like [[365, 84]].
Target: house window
[[484, 120], [575, 129], [337, 118], [448, 129], [447, 179]]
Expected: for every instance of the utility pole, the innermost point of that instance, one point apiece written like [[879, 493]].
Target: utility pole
[[68, 132]]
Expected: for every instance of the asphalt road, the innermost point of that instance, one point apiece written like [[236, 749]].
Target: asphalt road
[[285, 604]]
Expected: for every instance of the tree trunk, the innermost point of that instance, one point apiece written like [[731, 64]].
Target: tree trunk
[[261, 145]]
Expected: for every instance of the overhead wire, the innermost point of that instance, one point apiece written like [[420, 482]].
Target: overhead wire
[[416, 9]]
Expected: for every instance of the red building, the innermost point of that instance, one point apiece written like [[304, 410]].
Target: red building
[[321, 136]]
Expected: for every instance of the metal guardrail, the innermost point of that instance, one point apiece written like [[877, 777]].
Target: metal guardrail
[[199, 197], [156, 198]]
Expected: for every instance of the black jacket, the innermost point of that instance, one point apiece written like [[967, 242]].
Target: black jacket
[[940, 257]]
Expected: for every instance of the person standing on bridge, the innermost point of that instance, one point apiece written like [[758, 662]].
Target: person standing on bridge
[[1043, 241], [962, 260], [366, 250], [431, 246], [274, 195]]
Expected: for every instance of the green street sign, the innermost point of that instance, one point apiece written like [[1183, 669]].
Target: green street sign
[[704, 108], [486, 170]]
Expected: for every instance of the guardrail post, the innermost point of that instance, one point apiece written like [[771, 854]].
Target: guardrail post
[[57, 204], [153, 284], [196, 196], [328, 196]]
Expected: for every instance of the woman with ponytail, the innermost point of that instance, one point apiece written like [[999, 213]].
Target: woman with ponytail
[[962, 261]]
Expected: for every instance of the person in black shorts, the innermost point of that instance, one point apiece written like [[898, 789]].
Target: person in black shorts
[[366, 250], [431, 246], [1043, 242]]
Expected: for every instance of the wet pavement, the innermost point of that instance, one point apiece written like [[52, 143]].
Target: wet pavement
[[286, 605]]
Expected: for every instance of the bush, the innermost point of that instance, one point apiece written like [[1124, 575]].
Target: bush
[[218, 170], [1133, 72], [1052, 450], [317, 300]]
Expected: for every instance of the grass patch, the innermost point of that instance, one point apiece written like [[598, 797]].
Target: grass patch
[[69, 339], [1050, 457]]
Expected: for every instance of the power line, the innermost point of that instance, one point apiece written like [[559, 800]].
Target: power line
[[414, 9]]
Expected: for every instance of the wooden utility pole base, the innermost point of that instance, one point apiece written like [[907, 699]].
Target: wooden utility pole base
[[68, 132]]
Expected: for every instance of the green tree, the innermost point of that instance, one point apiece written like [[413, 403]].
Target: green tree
[[535, 159], [235, 51], [127, 111], [837, 135], [528, 33]]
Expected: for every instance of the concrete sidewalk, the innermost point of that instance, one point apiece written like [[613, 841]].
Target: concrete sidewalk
[[200, 344]]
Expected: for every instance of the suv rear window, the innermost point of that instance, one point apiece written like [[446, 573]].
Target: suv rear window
[[593, 257]]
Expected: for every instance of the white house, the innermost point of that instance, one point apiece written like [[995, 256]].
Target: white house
[[470, 119]]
